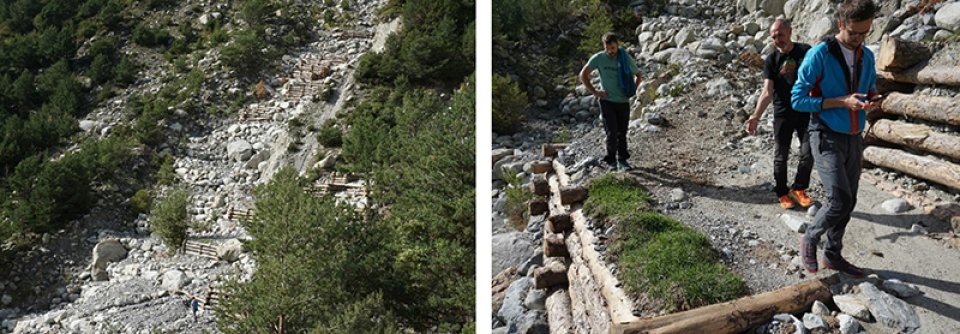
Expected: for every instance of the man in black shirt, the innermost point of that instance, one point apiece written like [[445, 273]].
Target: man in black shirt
[[779, 73]]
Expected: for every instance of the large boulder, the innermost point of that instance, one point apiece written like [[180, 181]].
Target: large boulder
[[512, 310], [719, 86], [239, 150], [820, 28], [173, 280], [948, 17], [684, 37], [889, 310], [106, 251], [511, 249], [230, 251]]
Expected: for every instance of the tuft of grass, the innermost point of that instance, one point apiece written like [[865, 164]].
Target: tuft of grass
[[673, 264], [615, 194], [517, 198]]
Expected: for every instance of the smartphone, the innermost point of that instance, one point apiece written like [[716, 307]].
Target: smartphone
[[877, 98]]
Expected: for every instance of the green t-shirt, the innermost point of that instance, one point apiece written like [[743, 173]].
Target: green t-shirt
[[608, 74]]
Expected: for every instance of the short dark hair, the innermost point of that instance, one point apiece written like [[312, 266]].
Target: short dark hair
[[610, 37], [856, 10]]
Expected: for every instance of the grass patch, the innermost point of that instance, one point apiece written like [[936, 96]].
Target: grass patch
[[657, 256], [615, 194]]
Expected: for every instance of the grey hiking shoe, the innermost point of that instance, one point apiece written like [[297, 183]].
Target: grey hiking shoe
[[623, 165]]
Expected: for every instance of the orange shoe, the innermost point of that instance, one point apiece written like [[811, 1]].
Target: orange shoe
[[786, 202], [801, 196]]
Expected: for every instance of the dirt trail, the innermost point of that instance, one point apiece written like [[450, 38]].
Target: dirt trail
[[728, 180]]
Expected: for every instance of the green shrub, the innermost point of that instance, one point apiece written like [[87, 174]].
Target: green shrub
[[126, 72], [165, 173], [168, 219], [245, 53], [329, 135], [598, 23], [149, 37], [141, 201], [517, 198], [509, 105], [101, 70]]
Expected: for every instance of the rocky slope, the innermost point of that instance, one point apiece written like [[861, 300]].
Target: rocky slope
[[108, 274], [688, 146]]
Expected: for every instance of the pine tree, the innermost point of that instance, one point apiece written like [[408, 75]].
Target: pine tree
[[313, 257]]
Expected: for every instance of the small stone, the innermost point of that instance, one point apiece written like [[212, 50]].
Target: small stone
[[812, 210], [901, 289], [852, 305], [819, 308], [677, 195], [848, 325], [813, 321], [896, 205], [536, 300], [6, 300], [795, 224]]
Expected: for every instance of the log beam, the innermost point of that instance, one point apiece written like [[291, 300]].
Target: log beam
[[932, 108], [558, 312], [923, 74], [735, 316], [897, 55], [554, 245], [916, 136], [552, 273], [925, 167]]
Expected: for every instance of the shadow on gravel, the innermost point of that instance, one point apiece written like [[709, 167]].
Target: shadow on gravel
[[905, 222], [944, 309], [756, 194]]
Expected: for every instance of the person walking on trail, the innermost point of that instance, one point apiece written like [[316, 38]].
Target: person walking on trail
[[837, 83], [619, 79], [195, 306], [779, 75]]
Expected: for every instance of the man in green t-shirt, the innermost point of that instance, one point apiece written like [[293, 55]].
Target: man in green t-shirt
[[614, 94]]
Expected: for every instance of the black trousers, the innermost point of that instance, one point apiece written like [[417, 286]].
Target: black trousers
[[615, 119], [783, 130], [838, 158]]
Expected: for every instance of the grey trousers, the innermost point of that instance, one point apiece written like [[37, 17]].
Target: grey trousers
[[837, 158]]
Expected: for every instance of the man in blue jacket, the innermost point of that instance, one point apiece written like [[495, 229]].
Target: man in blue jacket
[[619, 79], [837, 82]]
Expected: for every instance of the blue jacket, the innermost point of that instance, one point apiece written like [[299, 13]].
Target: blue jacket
[[823, 75]]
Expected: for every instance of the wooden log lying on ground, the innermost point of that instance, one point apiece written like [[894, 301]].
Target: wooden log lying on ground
[[553, 273], [539, 167], [738, 315], [550, 150], [572, 194], [554, 245], [558, 312], [539, 185], [924, 74], [931, 108], [559, 223], [538, 207], [916, 136], [925, 167], [897, 55]]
